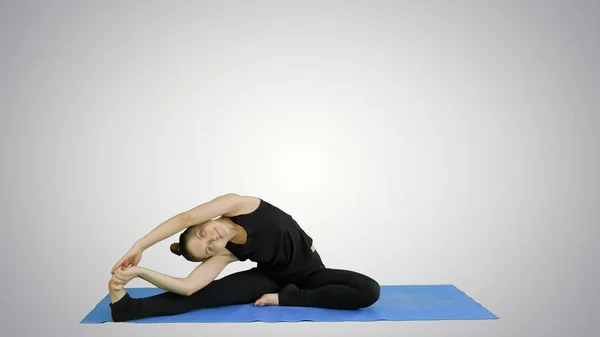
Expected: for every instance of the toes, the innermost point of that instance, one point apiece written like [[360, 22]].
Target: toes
[[261, 301]]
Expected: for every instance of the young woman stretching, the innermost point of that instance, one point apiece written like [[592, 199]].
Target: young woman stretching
[[289, 270]]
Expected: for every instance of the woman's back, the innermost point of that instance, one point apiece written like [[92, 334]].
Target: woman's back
[[276, 242]]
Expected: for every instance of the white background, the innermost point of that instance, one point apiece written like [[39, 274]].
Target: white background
[[416, 142]]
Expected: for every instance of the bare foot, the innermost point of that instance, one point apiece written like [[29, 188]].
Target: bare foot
[[116, 291], [267, 299]]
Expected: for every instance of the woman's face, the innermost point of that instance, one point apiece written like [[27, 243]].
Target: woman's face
[[207, 239]]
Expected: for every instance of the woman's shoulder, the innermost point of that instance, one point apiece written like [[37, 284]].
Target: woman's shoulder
[[227, 255], [244, 204]]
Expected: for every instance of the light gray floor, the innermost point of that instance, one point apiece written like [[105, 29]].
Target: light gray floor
[[467, 132]]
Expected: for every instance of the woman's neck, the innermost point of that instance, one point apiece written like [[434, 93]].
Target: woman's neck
[[236, 233]]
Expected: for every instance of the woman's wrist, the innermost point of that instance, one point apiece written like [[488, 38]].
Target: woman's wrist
[[139, 244]]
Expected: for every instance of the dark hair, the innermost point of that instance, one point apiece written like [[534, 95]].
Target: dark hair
[[180, 248]]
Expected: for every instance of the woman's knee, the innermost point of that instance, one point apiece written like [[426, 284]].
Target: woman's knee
[[370, 291]]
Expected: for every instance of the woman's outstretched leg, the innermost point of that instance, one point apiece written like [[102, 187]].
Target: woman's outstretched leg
[[332, 289], [238, 288]]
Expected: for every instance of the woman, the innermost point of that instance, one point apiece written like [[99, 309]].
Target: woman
[[230, 228]]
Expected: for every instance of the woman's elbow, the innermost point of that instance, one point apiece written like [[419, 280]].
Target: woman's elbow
[[187, 291], [191, 288], [188, 288]]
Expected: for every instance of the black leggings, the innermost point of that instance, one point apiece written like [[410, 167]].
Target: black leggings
[[325, 288]]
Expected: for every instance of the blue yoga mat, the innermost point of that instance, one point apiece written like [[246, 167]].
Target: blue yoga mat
[[396, 303]]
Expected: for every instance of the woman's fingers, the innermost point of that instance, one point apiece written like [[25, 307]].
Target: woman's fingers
[[117, 265], [124, 262], [119, 281], [115, 281], [119, 276]]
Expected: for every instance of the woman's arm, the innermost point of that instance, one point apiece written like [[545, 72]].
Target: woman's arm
[[199, 278], [165, 282], [230, 203], [220, 205]]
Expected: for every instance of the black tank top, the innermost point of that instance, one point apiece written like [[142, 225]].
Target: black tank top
[[276, 243]]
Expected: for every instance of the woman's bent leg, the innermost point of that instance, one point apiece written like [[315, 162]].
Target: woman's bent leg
[[238, 288], [332, 289]]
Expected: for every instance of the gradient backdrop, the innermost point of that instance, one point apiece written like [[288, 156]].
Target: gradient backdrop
[[417, 142]]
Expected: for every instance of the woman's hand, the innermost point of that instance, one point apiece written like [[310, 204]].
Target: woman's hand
[[123, 275], [115, 285], [131, 258]]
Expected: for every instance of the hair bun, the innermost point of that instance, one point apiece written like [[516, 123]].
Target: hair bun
[[175, 248]]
